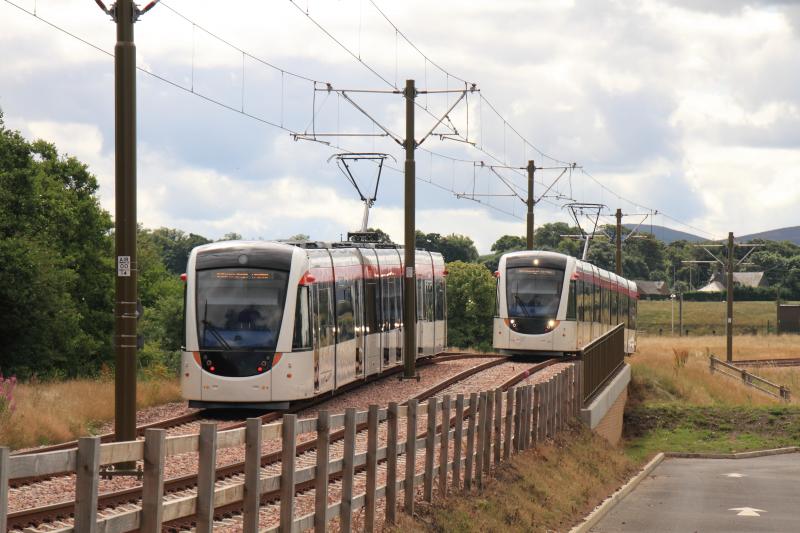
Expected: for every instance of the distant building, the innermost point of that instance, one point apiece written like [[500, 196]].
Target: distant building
[[743, 279], [652, 289]]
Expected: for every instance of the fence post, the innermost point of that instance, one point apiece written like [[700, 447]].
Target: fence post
[[473, 408], [509, 422], [479, 455], [321, 481], [498, 424], [523, 416], [487, 446], [559, 401], [153, 482], [252, 474], [348, 470], [288, 464], [458, 437], [537, 418], [206, 476], [711, 363], [87, 480], [372, 468], [430, 441], [391, 462], [4, 467], [528, 415], [445, 445], [517, 417], [411, 455]]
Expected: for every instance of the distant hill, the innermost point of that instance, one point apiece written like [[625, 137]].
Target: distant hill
[[791, 234], [668, 235]]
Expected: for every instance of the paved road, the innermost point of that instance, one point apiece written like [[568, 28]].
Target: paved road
[[713, 495]]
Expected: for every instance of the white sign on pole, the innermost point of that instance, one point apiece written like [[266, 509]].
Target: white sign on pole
[[124, 266]]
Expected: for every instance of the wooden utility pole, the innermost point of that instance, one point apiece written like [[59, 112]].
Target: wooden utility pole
[[530, 203], [618, 239], [410, 279], [729, 314]]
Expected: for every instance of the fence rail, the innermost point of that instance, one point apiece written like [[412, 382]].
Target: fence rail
[[495, 424], [601, 359], [749, 379]]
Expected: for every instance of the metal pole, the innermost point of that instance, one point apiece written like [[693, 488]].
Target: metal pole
[[618, 239], [125, 312], [680, 314], [410, 285], [729, 317], [530, 203], [672, 323]]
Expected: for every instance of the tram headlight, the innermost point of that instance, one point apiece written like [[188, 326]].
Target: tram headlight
[[551, 325]]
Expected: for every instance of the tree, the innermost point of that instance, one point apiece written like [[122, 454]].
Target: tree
[[173, 245], [55, 261], [453, 247], [470, 305], [508, 243]]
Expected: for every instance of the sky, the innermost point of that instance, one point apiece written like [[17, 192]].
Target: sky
[[687, 108]]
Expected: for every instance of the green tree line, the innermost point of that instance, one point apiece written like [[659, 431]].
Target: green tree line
[[57, 275]]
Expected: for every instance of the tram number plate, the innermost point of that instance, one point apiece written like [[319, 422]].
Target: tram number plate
[[124, 266]]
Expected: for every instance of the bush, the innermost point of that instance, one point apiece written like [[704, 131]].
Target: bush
[[742, 294]]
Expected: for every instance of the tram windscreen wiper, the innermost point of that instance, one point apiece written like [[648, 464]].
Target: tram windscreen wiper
[[211, 328], [521, 305]]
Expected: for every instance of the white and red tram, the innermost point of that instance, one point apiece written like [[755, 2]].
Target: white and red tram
[[555, 304], [268, 323]]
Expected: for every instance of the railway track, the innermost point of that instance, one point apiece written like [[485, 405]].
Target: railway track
[[55, 513]]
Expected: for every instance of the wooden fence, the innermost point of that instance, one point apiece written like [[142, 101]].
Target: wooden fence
[[472, 434], [751, 380], [601, 360]]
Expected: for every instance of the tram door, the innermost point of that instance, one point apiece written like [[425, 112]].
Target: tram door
[[324, 319]]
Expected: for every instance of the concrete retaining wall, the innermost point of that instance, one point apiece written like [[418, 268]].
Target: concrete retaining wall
[[604, 414]]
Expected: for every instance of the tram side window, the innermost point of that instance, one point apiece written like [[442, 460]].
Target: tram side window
[[372, 306], [595, 303], [579, 300], [440, 303], [325, 320], [302, 322], [429, 300], [344, 310], [571, 303], [614, 306]]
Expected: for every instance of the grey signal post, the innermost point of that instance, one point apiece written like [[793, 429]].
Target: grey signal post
[[530, 203], [729, 317], [410, 285], [618, 240]]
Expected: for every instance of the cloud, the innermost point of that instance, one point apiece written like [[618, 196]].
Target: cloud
[[691, 108]]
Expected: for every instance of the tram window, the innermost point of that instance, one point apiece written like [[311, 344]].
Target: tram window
[[428, 284], [302, 325], [571, 303], [595, 303], [614, 306], [325, 314], [439, 311], [371, 309], [345, 326]]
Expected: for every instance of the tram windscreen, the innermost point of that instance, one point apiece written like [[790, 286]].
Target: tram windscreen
[[240, 308], [533, 292]]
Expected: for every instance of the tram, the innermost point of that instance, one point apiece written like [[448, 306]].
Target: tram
[[554, 304], [268, 323]]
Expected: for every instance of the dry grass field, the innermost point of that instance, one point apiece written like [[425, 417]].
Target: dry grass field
[[703, 318], [47, 413], [656, 362]]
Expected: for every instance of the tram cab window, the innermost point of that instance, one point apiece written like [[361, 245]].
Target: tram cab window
[[240, 307], [533, 291]]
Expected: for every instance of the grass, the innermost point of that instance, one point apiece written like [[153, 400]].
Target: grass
[[702, 318], [549, 488], [680, 406], [47, 413]]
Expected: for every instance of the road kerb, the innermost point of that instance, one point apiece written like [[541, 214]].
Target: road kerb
[[740, 455], [599, 512]]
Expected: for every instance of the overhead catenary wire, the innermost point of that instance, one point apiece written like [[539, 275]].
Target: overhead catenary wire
[[223, 105]]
